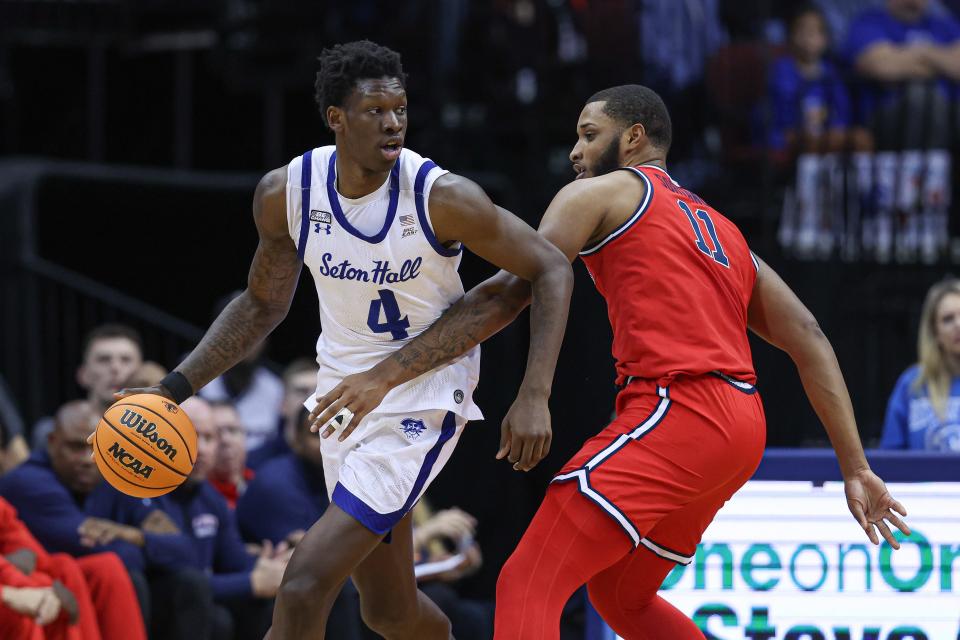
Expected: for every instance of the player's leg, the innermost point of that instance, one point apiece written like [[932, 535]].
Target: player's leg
[[390, 602], [625, 596], [569, 541], [320, 564]]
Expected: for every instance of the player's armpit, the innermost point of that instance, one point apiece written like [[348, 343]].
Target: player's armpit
[[271, 282]]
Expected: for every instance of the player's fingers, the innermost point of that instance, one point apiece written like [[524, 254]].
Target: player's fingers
[[536, 453], [887, 534], [358, 415], [871, 533], [321, 413], [899, 508], [898, 523], [328, 416], [90, 439], [504, 440], [349, 424], [857, 510], [526, 461], [516, 450]]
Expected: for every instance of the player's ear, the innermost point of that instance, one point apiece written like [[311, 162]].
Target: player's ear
[[335, 118], [636, 135]]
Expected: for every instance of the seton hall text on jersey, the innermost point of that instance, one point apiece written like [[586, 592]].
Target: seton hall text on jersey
[[381, 273]]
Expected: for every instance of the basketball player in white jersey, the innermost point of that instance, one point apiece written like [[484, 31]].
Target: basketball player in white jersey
[[381, 230]]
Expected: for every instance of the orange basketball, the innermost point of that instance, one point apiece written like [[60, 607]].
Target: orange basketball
[[145, 445]]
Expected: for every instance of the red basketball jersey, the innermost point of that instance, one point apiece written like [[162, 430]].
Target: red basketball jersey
[[677, 277]]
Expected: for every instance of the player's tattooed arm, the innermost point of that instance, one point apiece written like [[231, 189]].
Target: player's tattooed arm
[[573, 219], [271, 283], [461, 212]]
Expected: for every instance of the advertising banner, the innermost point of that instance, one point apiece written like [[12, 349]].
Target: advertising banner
[[786, 560]]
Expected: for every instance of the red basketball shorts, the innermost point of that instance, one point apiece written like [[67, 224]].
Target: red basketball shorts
[[671, 458]]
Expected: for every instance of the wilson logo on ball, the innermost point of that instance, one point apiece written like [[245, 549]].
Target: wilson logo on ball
[[129, 461], [148, 430]]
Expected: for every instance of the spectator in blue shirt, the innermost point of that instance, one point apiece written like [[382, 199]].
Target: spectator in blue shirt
[[58, 493], [243, 585], [899, 49], [50, 489], [924, 409], [810, 106]]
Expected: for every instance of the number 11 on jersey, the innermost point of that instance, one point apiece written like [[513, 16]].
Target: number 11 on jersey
[[393, 323], [717, 253]]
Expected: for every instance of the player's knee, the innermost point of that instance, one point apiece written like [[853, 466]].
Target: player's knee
[[300, 592], [516, 571], [610, 604], [398, 621]]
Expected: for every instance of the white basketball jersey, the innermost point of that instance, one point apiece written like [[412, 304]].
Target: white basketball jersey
[[382, 277]]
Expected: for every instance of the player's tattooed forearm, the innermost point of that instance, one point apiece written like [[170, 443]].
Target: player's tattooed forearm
[[462, 327], [248, 319]]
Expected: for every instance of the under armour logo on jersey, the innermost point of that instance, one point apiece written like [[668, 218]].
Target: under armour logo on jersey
[[412, 428], [322, 220]]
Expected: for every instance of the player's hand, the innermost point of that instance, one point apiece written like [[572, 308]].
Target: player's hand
[[525, 434], [359, 393], [871, 504], [157, 390]]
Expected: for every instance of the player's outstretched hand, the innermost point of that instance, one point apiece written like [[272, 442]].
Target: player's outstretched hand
[[525, 434], [359, 394], [871, 505], [157, 390]]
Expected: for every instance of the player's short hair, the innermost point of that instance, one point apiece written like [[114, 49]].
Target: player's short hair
[[630, 104], [343, 65], [109, 331]]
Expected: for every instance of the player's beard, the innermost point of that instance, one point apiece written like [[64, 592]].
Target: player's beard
[[609, 160]]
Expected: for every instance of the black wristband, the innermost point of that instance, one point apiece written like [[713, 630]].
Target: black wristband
[[178, 386]]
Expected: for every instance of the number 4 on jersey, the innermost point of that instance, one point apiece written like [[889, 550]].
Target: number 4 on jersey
[[387, 303], [717, 253]]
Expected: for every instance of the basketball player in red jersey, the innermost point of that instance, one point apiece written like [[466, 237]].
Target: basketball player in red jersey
[[682, 288]]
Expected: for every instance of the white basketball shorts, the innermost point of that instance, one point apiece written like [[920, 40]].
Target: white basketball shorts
[[380, 471]]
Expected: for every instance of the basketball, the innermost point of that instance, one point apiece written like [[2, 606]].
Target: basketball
[[145, 445]]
